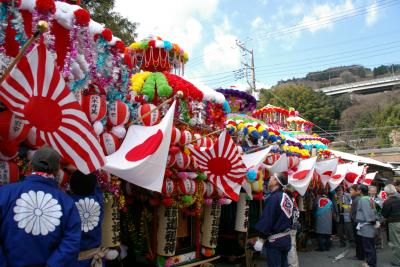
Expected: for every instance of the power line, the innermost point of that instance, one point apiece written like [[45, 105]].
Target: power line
[[328, 19], [312, 60], [301, 26], [287, 71]]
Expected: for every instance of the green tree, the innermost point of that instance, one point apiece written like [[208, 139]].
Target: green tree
[[101, 11], [313, 106]]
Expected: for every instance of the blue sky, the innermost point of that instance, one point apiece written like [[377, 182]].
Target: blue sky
[[289, 38]]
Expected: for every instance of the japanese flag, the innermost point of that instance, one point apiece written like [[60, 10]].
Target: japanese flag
[[325, 169], [143, 155], [281, 165], [353, 174], [369, 177], [301, 178], [341, 171]]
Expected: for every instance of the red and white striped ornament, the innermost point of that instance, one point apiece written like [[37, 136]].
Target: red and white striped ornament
[[293, 162], [186, 137], [187, 186], [12, 127], [168, 187], [175, 136], [118, 113], [270, 160], [182, 160], [208, 189], [171, 160], [94, 106], [198, 138], [153, 118], [9, 172], [109, 142]]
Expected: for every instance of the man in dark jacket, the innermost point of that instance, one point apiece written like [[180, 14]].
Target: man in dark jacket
[[391, 212], [275, 222], [39, 224]]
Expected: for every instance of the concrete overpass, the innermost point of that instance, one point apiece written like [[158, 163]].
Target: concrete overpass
[[369, 86]]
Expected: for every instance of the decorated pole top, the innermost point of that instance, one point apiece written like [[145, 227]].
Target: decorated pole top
[[157, 55]]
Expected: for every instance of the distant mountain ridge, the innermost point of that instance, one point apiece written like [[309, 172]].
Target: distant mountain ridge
[[340, 75]]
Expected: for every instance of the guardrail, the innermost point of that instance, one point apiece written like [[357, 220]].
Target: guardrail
[[349, 86]]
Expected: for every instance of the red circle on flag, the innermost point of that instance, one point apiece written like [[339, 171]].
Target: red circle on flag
[[48, 118], [219, 166]]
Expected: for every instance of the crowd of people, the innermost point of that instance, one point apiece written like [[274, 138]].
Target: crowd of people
[[357, 216]]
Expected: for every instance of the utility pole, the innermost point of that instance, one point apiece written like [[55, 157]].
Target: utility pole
[[248, 64]]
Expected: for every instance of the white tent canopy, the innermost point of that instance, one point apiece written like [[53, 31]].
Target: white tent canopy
[[360, 159]]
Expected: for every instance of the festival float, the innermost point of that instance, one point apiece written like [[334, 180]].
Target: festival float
[[168, 153]]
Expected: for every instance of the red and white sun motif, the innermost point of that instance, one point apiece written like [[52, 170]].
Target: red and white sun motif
[[36, 93], [222, 164]]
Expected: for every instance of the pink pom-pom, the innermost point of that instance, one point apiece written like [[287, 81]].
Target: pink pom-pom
[[208, 201]]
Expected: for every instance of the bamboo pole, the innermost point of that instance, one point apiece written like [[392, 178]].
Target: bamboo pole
[[154, 109], [197, 139], [41, 27]]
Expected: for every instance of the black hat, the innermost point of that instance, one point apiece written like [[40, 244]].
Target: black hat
[[282, 178], [46, 160], [82, 184]]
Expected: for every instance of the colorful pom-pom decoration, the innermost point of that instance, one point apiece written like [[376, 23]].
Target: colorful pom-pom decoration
[[82, 17], [45, 6], [107, 34], [251, 175]]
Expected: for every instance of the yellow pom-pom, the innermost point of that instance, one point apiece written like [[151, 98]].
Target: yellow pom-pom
[[134, 46], [186, 151], [185, 56]]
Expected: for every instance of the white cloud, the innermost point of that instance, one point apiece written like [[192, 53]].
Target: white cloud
[[174, 20], [222, 53], [372, 14], [322, 16], [257, 22]]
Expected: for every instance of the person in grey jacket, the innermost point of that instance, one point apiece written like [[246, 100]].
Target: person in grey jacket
[[323, 211], [342, 218], [366, 224], [355, 197]]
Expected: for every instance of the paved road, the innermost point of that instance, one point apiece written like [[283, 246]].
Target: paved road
[[324, 259]]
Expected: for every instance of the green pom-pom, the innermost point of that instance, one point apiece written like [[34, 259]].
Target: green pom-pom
[[164, 90], [143, 45], [187, 199], [201, 176], [160, 261], [149, 92]]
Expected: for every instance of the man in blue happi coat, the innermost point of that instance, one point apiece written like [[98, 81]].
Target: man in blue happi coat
[[39, 224], [276, 222], [90, 203]]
